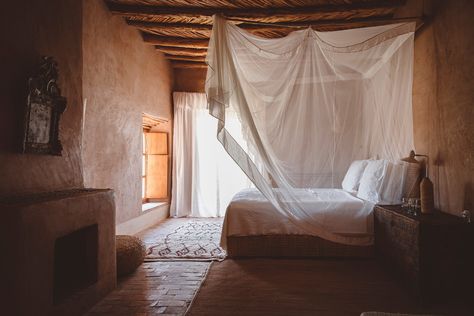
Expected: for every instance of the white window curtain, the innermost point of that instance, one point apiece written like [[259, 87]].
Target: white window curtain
[[205, 178]]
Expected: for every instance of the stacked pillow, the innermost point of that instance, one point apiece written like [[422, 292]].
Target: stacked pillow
[[372, 180], [352, 179], [377, 181]]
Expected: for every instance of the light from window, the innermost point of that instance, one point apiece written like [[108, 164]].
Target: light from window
[[144, 159]]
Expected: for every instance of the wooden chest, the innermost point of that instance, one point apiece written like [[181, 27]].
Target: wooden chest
[[432, 254]]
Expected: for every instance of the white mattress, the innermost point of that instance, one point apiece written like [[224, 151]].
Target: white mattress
[[250, 213]]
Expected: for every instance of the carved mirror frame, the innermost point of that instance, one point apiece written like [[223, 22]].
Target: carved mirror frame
[[44, 107]]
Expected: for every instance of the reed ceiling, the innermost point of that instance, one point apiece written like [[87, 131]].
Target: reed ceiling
[[181, 28]]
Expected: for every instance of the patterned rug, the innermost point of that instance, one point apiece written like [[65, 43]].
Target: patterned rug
[[185, 238]]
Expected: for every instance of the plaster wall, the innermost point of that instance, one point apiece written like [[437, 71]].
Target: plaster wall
[[33, 224], [122, 77], [189, 79], [443, 102], [30, 29]]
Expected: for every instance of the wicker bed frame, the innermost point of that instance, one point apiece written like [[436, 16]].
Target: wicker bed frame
[[293, 246]]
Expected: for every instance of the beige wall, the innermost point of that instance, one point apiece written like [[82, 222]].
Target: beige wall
[[30, 29], [189, 79], [123, 77], [443, 102]]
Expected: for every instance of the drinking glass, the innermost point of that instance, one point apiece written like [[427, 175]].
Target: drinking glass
[[404, 203], [417, 206], [411, 203]]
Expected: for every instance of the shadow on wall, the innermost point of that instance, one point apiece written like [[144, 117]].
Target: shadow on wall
[[443, 102], [468, 196], [28, 36]]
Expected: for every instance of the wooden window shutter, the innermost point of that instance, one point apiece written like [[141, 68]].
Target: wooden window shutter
[[157, 143], [157, 165]]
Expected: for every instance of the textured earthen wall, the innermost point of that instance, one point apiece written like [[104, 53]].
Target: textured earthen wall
[[189, 79], [32, 226], [122, 77], [443, 102], [30, 29]]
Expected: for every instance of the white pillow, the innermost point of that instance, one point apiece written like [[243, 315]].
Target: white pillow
[[393, 183], [372, 179], [353, 175]]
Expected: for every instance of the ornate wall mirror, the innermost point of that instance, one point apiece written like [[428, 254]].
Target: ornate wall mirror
[[44, 107]]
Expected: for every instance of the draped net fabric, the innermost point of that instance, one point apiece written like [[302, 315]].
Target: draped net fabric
[[309, 104]]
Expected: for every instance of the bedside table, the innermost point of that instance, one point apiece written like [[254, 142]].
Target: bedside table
[[432, 254]]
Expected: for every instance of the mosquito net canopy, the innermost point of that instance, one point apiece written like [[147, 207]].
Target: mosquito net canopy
[[309, 104]]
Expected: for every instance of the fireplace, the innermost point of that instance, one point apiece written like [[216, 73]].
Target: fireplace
[[60, 251], [75, 262]]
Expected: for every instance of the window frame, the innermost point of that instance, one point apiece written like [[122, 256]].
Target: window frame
[[144, 175], [149, 122]]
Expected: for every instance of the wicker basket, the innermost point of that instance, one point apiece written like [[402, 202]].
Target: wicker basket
[[292, 246]]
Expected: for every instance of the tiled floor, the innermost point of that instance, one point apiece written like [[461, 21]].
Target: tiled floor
[[156, 288]]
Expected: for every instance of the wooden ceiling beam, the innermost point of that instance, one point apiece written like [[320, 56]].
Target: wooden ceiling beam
[[251, 12], [327, 25], [334, 24], [181, 51], [188, 64], [175, 41], [187, 39], [161, 25], [186, 58]]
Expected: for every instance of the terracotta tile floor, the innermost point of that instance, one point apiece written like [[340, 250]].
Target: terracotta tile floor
[[156, 288]]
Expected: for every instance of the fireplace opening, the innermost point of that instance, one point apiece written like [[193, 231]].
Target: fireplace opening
[[75, 262]]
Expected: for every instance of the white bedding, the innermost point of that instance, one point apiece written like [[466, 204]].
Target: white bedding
[[250, 213]]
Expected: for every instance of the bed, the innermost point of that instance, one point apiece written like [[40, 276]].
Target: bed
[[254, 228]]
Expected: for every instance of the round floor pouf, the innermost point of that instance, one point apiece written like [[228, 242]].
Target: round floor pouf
[[130, 254]]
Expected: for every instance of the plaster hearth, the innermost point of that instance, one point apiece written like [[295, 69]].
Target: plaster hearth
[[40, 234]]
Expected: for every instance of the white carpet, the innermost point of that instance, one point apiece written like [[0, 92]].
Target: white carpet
[[185, 239]]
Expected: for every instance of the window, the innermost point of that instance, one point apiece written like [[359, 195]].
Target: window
[[155, 163], [144, 199]]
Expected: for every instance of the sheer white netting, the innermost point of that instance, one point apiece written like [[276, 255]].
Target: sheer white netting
[[309, 104]]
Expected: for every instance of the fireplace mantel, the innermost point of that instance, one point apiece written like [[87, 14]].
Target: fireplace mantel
[[36, 231]]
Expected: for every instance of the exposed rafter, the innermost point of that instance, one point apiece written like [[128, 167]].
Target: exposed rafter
[[362, 8], [169, 26], [188, 64], [204, 31], [186, 58], [175, 41], [181, 51], [182, 31]]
